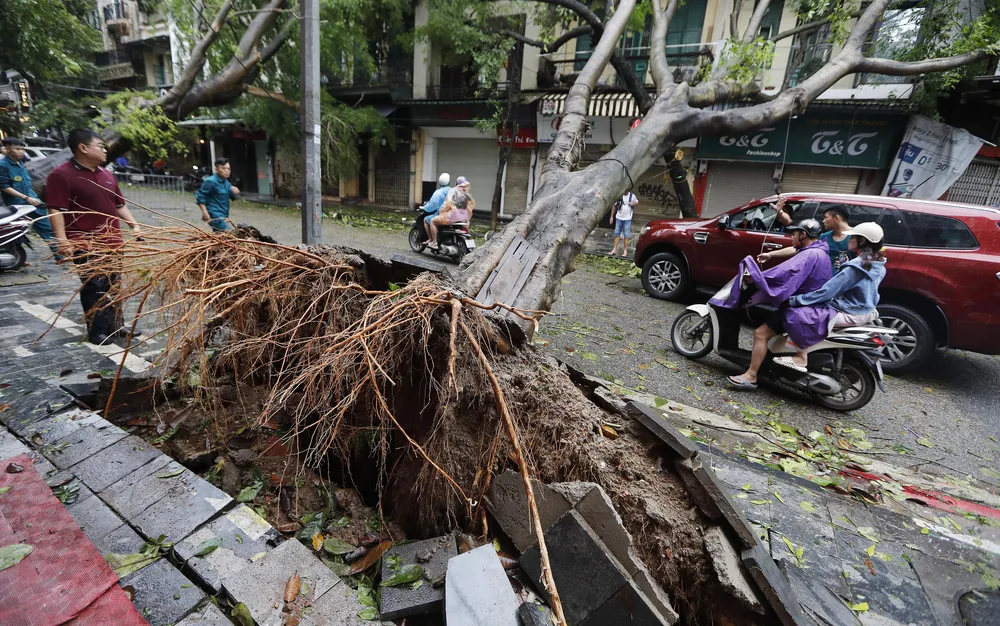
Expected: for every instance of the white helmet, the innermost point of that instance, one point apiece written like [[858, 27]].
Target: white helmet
[[869, 230], [444, 179]]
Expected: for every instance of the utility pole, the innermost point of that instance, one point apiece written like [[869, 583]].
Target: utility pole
[[312, 209]]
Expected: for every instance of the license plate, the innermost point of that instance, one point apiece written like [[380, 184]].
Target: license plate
[[878, 368], [470, 244]]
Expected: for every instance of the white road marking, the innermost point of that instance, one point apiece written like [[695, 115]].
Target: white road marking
[[133, 362], [47, 315], [21, 351]]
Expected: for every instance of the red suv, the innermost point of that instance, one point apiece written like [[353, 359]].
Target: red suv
[[942, 285]]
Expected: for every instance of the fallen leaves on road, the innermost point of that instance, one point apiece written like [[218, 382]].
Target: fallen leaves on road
[[371, 558], [13, 554], [125, 564], [242, 615], [292, 588], [208, 546], [860, 607]]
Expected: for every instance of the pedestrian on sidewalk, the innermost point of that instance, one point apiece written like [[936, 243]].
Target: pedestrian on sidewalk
[[84, 205], [15, 188], [213, 197], [622, 221]]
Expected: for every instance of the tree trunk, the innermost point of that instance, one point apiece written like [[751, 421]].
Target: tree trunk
[[685, 200]]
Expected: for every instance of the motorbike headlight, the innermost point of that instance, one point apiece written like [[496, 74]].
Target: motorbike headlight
[[645, 229]]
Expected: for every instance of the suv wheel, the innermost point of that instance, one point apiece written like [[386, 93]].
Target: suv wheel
[[665, 277], [912, 346]]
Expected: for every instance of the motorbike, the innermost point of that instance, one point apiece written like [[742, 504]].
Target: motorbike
[[15, 222], [454, 240], [194, 178], [842, 372]]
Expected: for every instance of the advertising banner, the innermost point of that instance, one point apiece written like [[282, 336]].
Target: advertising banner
[[929, 161]]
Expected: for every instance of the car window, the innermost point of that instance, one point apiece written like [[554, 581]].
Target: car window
[[856, 213], [938, 231], [760, 217], [894, 227]]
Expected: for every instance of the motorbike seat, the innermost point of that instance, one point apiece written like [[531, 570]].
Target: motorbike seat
[[863, 330], [6, 211], [459, 225]]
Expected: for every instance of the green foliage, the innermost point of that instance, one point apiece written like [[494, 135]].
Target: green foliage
[[45, 38], [142, 123], [745, 61]]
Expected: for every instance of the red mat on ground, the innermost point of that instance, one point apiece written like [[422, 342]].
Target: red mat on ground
[[64, 580]]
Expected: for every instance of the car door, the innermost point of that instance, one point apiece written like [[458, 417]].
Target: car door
[[741, 233]]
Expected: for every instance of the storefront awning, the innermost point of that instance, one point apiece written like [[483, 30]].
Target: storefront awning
[[601, 105]]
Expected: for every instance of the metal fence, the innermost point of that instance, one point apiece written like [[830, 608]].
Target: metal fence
[[155, 191]]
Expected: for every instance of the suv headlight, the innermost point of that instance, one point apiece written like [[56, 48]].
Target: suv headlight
[[645, 229]]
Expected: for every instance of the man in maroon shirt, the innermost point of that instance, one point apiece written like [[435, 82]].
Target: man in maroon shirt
[[85, 204]]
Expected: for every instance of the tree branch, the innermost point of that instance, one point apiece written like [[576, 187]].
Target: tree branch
[[265, 18], [199, 55], [254, 90], [758, 16], [553, 46], [804, 28], [869, 18], [658, 44], [276, 42], [927, 66], [734, 19]]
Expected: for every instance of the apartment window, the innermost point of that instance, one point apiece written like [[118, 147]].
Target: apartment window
[[892, 38]]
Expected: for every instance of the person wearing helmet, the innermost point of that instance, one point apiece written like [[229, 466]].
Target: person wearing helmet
[[848, 299], [836, 227], [806, 271], [457, 207], [433, 206]]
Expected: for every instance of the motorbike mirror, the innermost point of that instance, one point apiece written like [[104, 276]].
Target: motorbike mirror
[[724, 222]]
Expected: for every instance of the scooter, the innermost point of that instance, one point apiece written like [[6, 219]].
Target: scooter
[[454, 240], [15, 222], [842, 371]]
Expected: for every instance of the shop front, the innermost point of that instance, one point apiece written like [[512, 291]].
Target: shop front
[[821, 152]]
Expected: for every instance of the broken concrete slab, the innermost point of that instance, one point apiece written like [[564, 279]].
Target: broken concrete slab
[[189, 502], [657, 424], [261, 584], [712, 497], [338, 607], [817, 600], [122, 540], [243, 537], [136, 492], [94, 518], [206, 615], [162, 594], [115, 462], [477, 592], [587, 575], [47, 431], [508, 504], [432, 555], [726, 563], [82, 443], [774, 586], [626, 606]]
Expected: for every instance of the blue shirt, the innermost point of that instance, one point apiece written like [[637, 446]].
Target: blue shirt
[[840, 254], [214, 194], [853, 290], [15, 174], [434, 205]]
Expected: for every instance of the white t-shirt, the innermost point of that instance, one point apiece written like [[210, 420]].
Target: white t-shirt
[[624, 213]]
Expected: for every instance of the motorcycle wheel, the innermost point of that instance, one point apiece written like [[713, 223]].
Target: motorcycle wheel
[[415, 244], [858, 386], [691, 335], [16, 250]]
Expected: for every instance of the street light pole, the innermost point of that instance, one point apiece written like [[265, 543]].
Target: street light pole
[[312, 210]]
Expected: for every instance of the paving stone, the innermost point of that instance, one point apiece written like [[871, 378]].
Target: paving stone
[[261, 585], [162, 594], [585, 572], [134, 493], [773, 586], [626, 606], [243, 534], [532, 614], [477, 592], [726, 562], [508, 504], [95, 518], [189, 502], [338, 607], [11, 446], [122, 540], [712, 497], [399, 602], [82, 443], [657, 424], [46, 432], [110, 465], [816, 599], [206, 615]]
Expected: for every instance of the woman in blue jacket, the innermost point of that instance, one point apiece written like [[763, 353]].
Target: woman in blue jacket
[[850, 297]]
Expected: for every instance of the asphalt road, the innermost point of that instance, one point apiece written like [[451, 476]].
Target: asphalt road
[[606, 325]]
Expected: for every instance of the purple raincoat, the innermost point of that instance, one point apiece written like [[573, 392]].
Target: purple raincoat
[[805, 272]]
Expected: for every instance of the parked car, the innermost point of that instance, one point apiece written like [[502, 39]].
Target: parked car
[[942, 285], [35, 152]]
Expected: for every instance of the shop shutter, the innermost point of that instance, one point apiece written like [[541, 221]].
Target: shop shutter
[[819, 179], [979, 184], [476, 159], [516, 188], [732, 184], [392, 175], [657, 199]]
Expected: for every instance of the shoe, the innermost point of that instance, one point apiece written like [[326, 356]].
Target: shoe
[[787, 361], [123, 332], [99, 340]]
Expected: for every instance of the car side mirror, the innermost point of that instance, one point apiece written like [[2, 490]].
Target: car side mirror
[[723, 222]]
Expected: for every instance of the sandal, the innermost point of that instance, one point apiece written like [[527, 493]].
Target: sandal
[[739, 383], [789, 362]]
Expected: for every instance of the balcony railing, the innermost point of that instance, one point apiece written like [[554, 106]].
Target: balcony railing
[[118, 11], [465, 92], [814, 57], [388, 77], [113, 57]]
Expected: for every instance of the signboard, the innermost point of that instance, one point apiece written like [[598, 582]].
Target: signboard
[[524, 138], [837, 140], [599, 132], [931, 158]]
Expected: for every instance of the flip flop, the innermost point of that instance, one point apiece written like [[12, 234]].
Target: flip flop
[[786, 361], [739, 383]]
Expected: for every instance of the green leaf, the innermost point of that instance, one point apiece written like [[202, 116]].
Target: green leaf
[[340, 522], [366, 596], [369, 615], [238, 537], [407, 574], [791, 546], [208, 546], [808, 506], [925, 442], [4, 489], [989, 471], [393, 286], [740, 496], [747, 487], [778, 496], [590, 356], [658, 402], [172, 474], [758, 502], [992, 438], [242, 615], [247, 494], [925, 531], [13, 554], [860, 607], [868, 533], [125, 564], [870, 550], [312, 523], [337, 546]]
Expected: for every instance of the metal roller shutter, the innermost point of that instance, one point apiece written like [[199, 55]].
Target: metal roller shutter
[[978, 184], [392, 175], [819, 179], [515, 196], [734, 184], [476, 159], [657, 199]]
